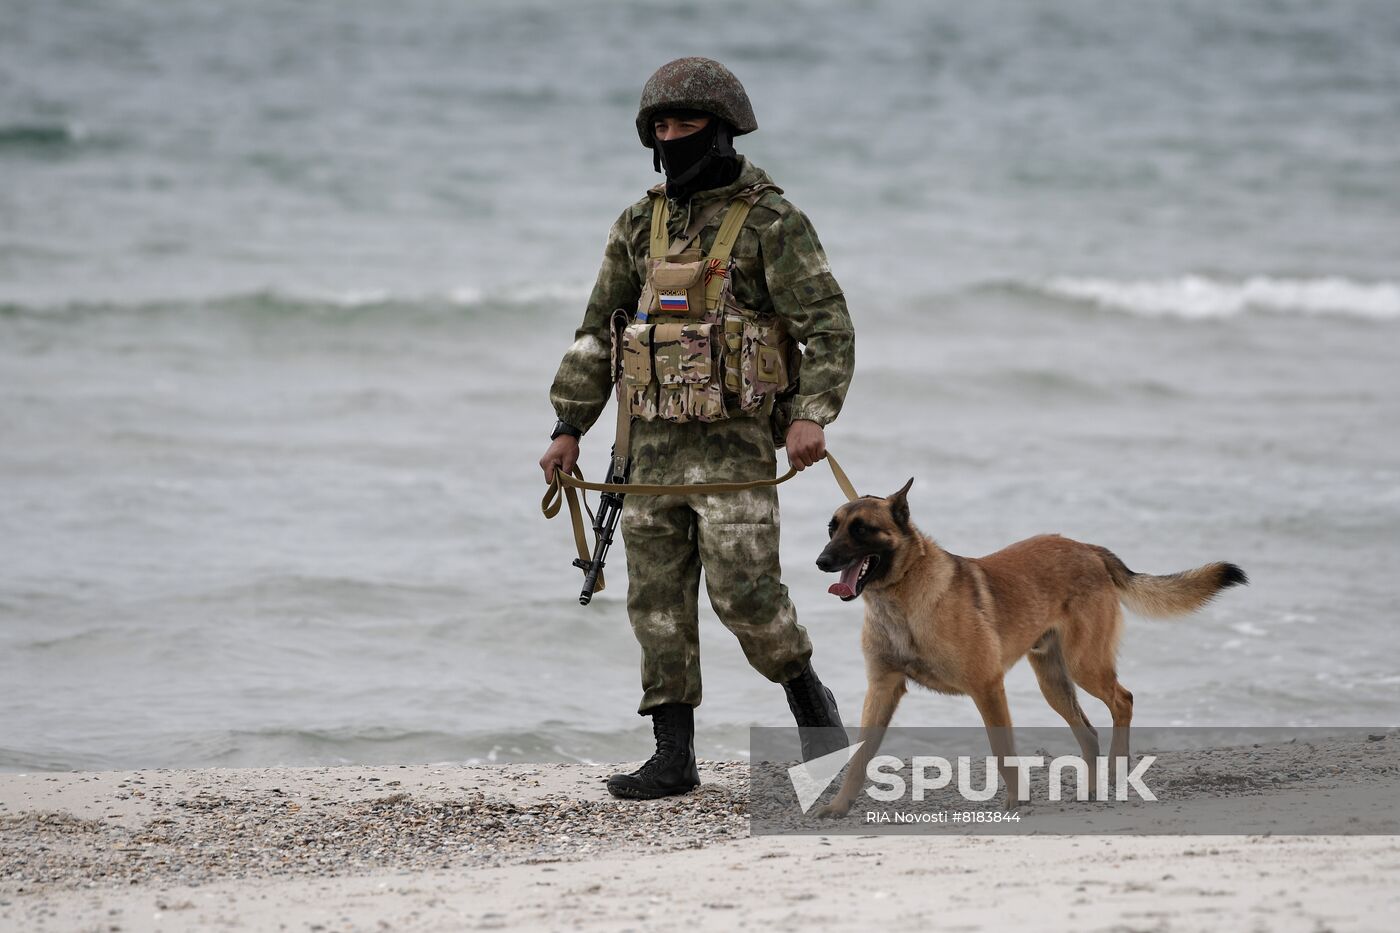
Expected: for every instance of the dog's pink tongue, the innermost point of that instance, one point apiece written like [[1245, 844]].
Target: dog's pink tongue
[[847, 586]]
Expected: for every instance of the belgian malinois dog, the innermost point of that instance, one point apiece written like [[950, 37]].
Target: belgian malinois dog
[[957, 624]]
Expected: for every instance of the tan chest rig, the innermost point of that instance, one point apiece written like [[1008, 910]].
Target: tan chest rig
[[691, 352]]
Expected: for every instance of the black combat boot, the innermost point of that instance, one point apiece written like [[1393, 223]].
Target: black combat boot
[[672, 769], [818, 720]]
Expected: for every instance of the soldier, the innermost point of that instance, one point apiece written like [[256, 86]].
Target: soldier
[[722, 279]]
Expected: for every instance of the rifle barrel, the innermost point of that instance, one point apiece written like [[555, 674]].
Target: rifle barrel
[[604, 525]]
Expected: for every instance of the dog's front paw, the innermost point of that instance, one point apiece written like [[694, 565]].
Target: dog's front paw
[[834, 810]]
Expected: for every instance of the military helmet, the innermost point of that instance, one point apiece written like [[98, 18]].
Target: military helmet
[[695, 84]]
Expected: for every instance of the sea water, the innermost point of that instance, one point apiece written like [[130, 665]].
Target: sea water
[[283, 286]]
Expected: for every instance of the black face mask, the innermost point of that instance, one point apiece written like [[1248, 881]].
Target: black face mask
[[702, 160]]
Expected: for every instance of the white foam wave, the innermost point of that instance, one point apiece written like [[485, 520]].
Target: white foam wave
[[527, 293], [316, 299], [466, 295], [354, 298], [462, 295], [542, 291], [1195, 296]]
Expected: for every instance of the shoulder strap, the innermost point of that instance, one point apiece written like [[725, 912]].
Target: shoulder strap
[[729, 229], [734, 219], [717, 262], [718, 259], [661, 214]]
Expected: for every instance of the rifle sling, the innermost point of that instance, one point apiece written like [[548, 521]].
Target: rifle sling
[[562, 488]]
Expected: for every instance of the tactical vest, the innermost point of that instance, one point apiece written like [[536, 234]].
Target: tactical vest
[[691, 352]]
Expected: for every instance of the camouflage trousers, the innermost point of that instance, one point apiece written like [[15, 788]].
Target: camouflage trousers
[[734, 537]]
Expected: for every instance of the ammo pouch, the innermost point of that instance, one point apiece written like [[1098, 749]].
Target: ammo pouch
[[672, 372], [698, 371]]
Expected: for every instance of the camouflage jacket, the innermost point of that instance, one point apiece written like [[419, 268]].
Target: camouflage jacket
[[780, 269]]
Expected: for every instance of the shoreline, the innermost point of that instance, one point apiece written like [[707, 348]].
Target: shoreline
[[543, 846]]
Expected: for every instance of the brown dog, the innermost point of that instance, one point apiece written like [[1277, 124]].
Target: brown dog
[[957, 624]]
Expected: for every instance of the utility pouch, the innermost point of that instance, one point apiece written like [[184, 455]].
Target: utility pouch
[[759, 368], [678, 288], [638, 381], [687, 373]]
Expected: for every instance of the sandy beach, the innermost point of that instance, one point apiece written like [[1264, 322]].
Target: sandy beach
[[543, 847]]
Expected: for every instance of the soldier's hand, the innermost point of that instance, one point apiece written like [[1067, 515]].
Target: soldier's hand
[[561, 455], [806, 444]]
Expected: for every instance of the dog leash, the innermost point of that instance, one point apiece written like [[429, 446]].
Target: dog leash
[[567, 487]]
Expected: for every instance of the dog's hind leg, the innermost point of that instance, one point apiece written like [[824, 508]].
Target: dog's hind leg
[[1119, 701], [1048, 661], [1101, 680], [1091, 647]]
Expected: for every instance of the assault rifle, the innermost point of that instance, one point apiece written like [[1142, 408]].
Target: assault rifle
[[610, 503], [604, 526]]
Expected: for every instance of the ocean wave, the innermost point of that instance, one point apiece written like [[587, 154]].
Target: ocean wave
[[528, 293], [1203, 297], [461, 296], [1194, 297], [291, 746], [313, 301]]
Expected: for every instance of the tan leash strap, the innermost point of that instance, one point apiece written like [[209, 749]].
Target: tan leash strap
[[842, 479], [563, 487], [550, 507]]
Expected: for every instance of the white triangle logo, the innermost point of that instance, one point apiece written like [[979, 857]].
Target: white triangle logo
[[811, 778]]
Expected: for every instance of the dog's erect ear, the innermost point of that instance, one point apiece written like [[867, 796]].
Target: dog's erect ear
[[899, 504]]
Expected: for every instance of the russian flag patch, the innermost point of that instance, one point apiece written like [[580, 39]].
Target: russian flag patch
[[673, 301]]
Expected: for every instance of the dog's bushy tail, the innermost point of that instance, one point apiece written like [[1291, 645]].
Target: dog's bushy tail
[[1172, 595]]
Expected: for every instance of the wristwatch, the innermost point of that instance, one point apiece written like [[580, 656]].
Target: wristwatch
[[563, 427]]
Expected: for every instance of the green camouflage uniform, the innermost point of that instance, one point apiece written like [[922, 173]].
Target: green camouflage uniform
[[780, 269]]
